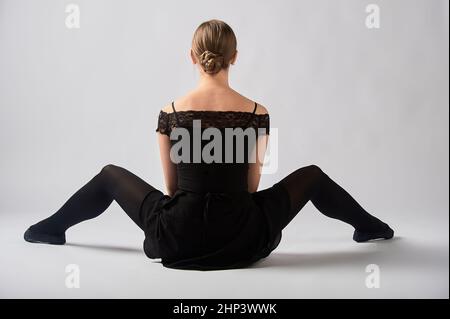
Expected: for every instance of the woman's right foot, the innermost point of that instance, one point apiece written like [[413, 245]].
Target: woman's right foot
[[33, 236]]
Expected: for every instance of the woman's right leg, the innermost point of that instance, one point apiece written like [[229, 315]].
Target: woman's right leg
[[311, 183]]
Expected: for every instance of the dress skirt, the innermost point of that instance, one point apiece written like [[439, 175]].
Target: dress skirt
[[212, 231]]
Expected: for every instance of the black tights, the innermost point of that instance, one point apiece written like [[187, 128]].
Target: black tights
[[310, 183], [111, 183], [128, 190]]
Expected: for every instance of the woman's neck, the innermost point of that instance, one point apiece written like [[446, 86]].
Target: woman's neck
[[219, 80]]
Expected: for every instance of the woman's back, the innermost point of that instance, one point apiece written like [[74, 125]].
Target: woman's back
[[203, 169], [212, 150]]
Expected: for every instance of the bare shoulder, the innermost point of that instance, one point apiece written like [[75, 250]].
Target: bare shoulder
[[179, 104], [167, 108], [261, 109]]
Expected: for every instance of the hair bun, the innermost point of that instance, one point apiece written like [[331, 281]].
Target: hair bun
[[211, 62]]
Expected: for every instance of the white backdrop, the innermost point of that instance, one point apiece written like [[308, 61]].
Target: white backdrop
[[369, 106]]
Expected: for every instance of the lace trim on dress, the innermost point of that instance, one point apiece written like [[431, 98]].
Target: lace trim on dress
[[219, 119]]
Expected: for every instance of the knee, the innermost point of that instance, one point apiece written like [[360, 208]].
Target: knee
[[108, 169], [315, 169]]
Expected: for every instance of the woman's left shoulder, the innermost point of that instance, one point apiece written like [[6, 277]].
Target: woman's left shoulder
[[167, 108], [261, 110]]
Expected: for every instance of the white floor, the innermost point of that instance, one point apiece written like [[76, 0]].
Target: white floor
[[316, 259]]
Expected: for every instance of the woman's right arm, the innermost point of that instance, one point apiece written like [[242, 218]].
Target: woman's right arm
[[169, 168], [254, 168]]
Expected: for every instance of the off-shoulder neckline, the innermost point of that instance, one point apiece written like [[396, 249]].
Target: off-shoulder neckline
[[213, 111]]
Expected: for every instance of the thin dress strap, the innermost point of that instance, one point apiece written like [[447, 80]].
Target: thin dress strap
[[175, 113], [254, 110], [252, 115]]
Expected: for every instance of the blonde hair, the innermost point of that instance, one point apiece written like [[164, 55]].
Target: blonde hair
[[214, 44]]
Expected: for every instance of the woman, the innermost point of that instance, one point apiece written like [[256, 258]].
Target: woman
[[212, 216]]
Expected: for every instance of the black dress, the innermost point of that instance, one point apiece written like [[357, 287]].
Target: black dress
[[212, 221]]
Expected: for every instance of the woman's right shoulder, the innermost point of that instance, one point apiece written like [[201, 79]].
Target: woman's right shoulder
[[260, 108]]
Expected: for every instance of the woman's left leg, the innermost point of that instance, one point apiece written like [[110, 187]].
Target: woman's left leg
[[111, 183]]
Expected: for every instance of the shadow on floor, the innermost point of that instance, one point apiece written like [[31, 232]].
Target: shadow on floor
[[107, 248], [312, 260], [395, 252]]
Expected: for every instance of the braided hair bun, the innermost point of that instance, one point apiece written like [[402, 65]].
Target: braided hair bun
[[211, 62]]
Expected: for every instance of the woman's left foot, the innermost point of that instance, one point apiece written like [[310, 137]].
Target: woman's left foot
[[33, 236], [385, 232]]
